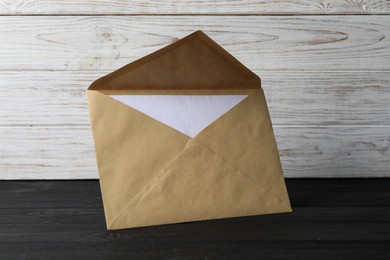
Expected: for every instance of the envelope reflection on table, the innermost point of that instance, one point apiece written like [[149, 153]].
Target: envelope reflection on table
[[184, 134]]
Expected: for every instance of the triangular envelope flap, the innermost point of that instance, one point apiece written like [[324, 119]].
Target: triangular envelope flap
[[194, 62], [248, 143], [197, 185], [129, 152], [188, 114]]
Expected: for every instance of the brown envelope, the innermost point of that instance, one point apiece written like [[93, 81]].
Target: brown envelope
[[151, 173]]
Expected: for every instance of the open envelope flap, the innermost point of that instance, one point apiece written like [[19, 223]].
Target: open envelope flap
[[131, 149], [194, 62]]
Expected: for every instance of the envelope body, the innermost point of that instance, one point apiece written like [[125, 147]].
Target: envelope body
[[184, 134]]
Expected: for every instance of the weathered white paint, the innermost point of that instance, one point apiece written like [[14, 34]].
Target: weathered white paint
[[294, 98], [20, 7], [260, 42], [326, 78]]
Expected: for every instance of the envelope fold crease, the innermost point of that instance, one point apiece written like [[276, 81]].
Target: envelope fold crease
[[131, 149], [261, 186], [197, 185], [248, 143]]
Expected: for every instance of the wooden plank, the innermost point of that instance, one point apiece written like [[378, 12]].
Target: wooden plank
[[337, 218], [240, 230], [316, 43], [119, 247], [59, 216], [294, 98], [50, 97], [327, 98], [365, 192], [334, 151], [72, 194], [312, 194], [44, 7], [47, 153], [67, 152]]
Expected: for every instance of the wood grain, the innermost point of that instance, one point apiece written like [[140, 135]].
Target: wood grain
[[84, 216], [47, 153], [324, 68], [77, 232], [67, 152], [294, 98], [316, 43], [331, 219], [66, 7], [118, 247]]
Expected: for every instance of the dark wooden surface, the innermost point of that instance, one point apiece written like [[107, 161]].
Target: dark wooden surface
[[332, 219]]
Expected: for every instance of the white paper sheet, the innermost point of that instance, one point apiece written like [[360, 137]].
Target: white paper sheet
[[188, 114]]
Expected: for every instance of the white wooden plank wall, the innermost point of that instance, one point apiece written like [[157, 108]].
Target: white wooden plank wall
[[325, 69]]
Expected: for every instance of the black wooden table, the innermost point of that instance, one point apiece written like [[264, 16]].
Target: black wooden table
[[332, 219]]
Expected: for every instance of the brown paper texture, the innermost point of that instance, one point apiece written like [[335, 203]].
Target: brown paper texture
[[152, 174]]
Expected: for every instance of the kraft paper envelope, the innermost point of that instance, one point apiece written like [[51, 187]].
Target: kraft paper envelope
[[184, 134]]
